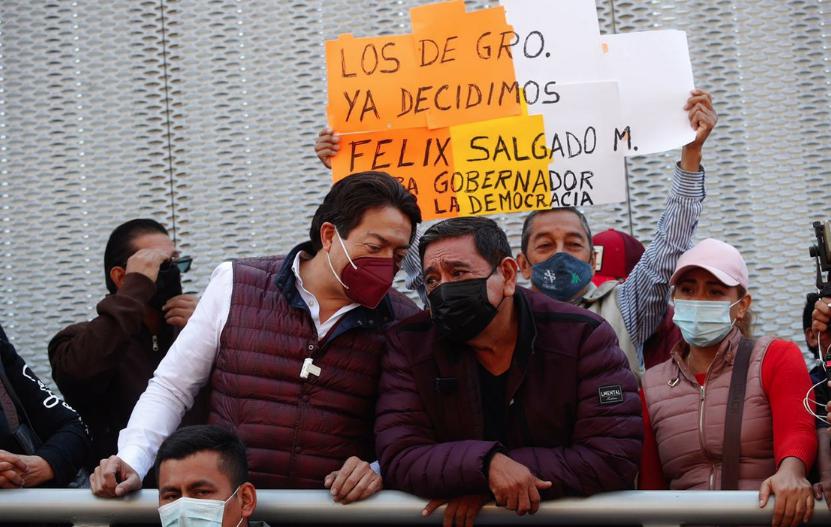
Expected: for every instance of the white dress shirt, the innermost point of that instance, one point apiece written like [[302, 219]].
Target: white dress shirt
[[314, 305], [187, 368]]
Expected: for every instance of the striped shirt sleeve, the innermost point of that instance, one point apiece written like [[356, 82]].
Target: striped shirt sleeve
[[643, 297], [411, 265]]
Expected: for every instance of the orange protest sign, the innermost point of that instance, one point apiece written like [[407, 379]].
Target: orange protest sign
[[417, 157], [365, 76], [455, 68], [441, 111], [501, 166], [422, 17], [486, 167], [467, 59]]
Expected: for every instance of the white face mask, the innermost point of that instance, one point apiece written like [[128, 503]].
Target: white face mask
[[703, 322], [192, 512]]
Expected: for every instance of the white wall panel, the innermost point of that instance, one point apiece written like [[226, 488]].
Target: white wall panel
[[209, 108]]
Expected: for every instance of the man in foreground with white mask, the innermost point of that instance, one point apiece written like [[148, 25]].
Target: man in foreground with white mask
[[203, 480]]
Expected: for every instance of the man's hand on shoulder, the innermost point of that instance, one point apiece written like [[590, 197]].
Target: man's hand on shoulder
[[178, 310], [114, 478], [513, 485], [355, 481]]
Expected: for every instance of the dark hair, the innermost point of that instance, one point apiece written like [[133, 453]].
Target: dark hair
[[808, 310], [348, 200], [526, 225], [191, 440], [491, 241], [120, 245]]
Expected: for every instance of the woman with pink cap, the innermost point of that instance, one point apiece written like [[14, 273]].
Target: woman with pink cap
[[725, 411]]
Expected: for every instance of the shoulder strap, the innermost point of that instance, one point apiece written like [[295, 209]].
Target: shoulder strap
[[731, 450]]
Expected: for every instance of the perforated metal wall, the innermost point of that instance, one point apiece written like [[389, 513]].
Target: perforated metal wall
[[115, 110]]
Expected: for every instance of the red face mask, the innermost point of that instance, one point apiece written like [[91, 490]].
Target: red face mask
[[367, 279]]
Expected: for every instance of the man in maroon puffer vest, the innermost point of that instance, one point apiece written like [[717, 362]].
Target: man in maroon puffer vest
[[500, 392], [292, 350]]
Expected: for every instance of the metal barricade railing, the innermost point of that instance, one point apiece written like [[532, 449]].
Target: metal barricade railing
[[285, 507]]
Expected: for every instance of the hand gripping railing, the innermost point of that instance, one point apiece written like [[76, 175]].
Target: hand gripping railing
[[282, 507]]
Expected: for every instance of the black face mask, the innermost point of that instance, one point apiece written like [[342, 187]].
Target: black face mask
[[168, 285], [461, 310]]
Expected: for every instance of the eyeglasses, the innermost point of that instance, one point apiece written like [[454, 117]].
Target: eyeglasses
[[182, 262]]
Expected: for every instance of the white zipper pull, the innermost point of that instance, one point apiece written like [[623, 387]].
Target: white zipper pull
[[155, 343]]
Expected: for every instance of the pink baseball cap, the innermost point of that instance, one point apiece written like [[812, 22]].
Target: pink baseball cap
[[721, 259]]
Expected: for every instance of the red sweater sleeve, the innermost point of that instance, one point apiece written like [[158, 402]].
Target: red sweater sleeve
[[651, 475], [785, 381]]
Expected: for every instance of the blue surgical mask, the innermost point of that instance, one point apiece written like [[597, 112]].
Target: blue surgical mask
[[703, 322], [562, 276], [192, 512]]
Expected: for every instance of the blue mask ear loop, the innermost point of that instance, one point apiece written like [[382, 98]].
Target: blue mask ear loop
[[229, 499], [232, 494], [733, 321]]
